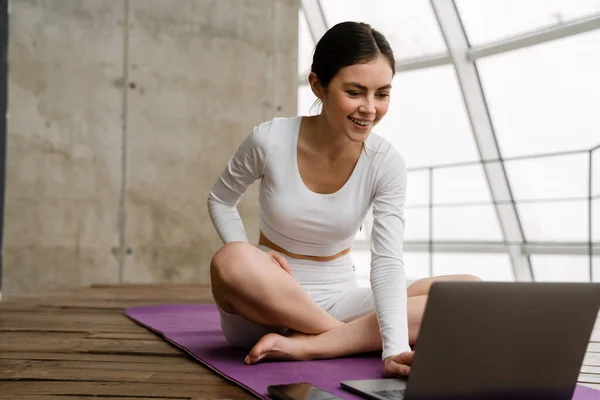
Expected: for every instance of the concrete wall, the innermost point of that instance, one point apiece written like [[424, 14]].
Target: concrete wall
[[122, 114]]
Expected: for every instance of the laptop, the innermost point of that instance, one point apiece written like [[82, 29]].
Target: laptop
[[496, 340]]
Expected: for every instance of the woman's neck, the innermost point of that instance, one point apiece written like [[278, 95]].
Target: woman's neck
[[324, 138]]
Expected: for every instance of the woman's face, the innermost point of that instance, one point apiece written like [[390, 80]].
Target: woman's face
[[358, 98]]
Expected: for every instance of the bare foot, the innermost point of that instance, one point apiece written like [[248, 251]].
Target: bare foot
[[274, 346]]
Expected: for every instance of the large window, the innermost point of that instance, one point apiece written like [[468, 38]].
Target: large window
[[492, 20], [426, 120], [542, 102], [409, 25], [545, 98], [556, 268]]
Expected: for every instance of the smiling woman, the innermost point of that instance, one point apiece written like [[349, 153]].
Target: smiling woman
[[296, 295], [353, 66], [359, 93]]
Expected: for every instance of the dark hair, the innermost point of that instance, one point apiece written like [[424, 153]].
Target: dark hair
[[345, 44]]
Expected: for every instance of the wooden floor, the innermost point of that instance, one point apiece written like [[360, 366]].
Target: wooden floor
[[78, 344]]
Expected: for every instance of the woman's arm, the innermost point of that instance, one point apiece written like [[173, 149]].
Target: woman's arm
[[245, 167], [388, 279]]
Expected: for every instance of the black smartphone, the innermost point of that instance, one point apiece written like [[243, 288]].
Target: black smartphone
[[299, 391]]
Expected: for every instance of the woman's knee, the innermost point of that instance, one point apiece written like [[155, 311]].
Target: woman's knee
[[228, 262], [467, 277], [454, 277], [422, 286]]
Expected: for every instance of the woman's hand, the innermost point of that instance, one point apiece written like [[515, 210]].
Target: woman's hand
[[398, 365], [280, 260]]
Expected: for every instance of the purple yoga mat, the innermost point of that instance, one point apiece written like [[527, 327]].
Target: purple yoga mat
[[196, 329]]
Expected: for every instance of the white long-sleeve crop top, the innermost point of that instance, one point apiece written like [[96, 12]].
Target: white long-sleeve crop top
[[304, 222]]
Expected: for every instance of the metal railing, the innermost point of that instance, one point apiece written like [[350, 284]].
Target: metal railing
[[589, 247]]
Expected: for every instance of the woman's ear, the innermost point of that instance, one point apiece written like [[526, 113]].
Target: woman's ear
[[315, 86]]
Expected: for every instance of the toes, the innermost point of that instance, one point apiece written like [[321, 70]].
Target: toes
[[259, 351], [249, 360], [273, 346]]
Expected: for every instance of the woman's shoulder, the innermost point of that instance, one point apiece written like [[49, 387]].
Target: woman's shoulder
[[274, 130], [383, 154]]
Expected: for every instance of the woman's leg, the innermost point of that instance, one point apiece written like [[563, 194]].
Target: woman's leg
[[422, 286], [245, 281], [358, 336]]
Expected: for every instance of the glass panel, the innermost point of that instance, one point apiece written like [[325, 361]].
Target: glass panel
[[426, 120], [560, 268], [306, 101], [460, 184], [596, 172], [416, 266], [555, 222], [410, 25], [545, 98], [595, 218], [417, 224], [529, 179], [417, 191], [305, 45], [596, 268], [474, 223], [489, 267], [487, 21]]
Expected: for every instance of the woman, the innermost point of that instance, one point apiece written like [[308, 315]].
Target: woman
[[295, 295]]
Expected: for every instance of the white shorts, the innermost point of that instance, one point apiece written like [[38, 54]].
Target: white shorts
[[331, 284]]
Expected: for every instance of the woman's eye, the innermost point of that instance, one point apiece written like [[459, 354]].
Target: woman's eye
[[353, 93], [383, 95]]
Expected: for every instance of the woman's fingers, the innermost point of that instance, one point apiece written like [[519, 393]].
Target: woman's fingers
[[394, 369], [405, 358], [282, 262], [398, 365]]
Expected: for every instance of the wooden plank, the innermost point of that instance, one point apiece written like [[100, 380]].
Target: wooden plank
[[594, 347], [26, 328], [61, 373], [148, 335], [65, 317], [50, 397], [122, 389], [140, 293], [589, 378], [117, 358], [592, 359], [96, 304], [16, 365], [77, 342], [67, 322], [117, 304], [595, 337], [200, 294], [591, 369], [150, 286]]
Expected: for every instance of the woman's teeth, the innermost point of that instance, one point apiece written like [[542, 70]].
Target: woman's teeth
[[359, 122]]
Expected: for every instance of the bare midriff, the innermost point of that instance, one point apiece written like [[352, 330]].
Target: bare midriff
[[264, 241]]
